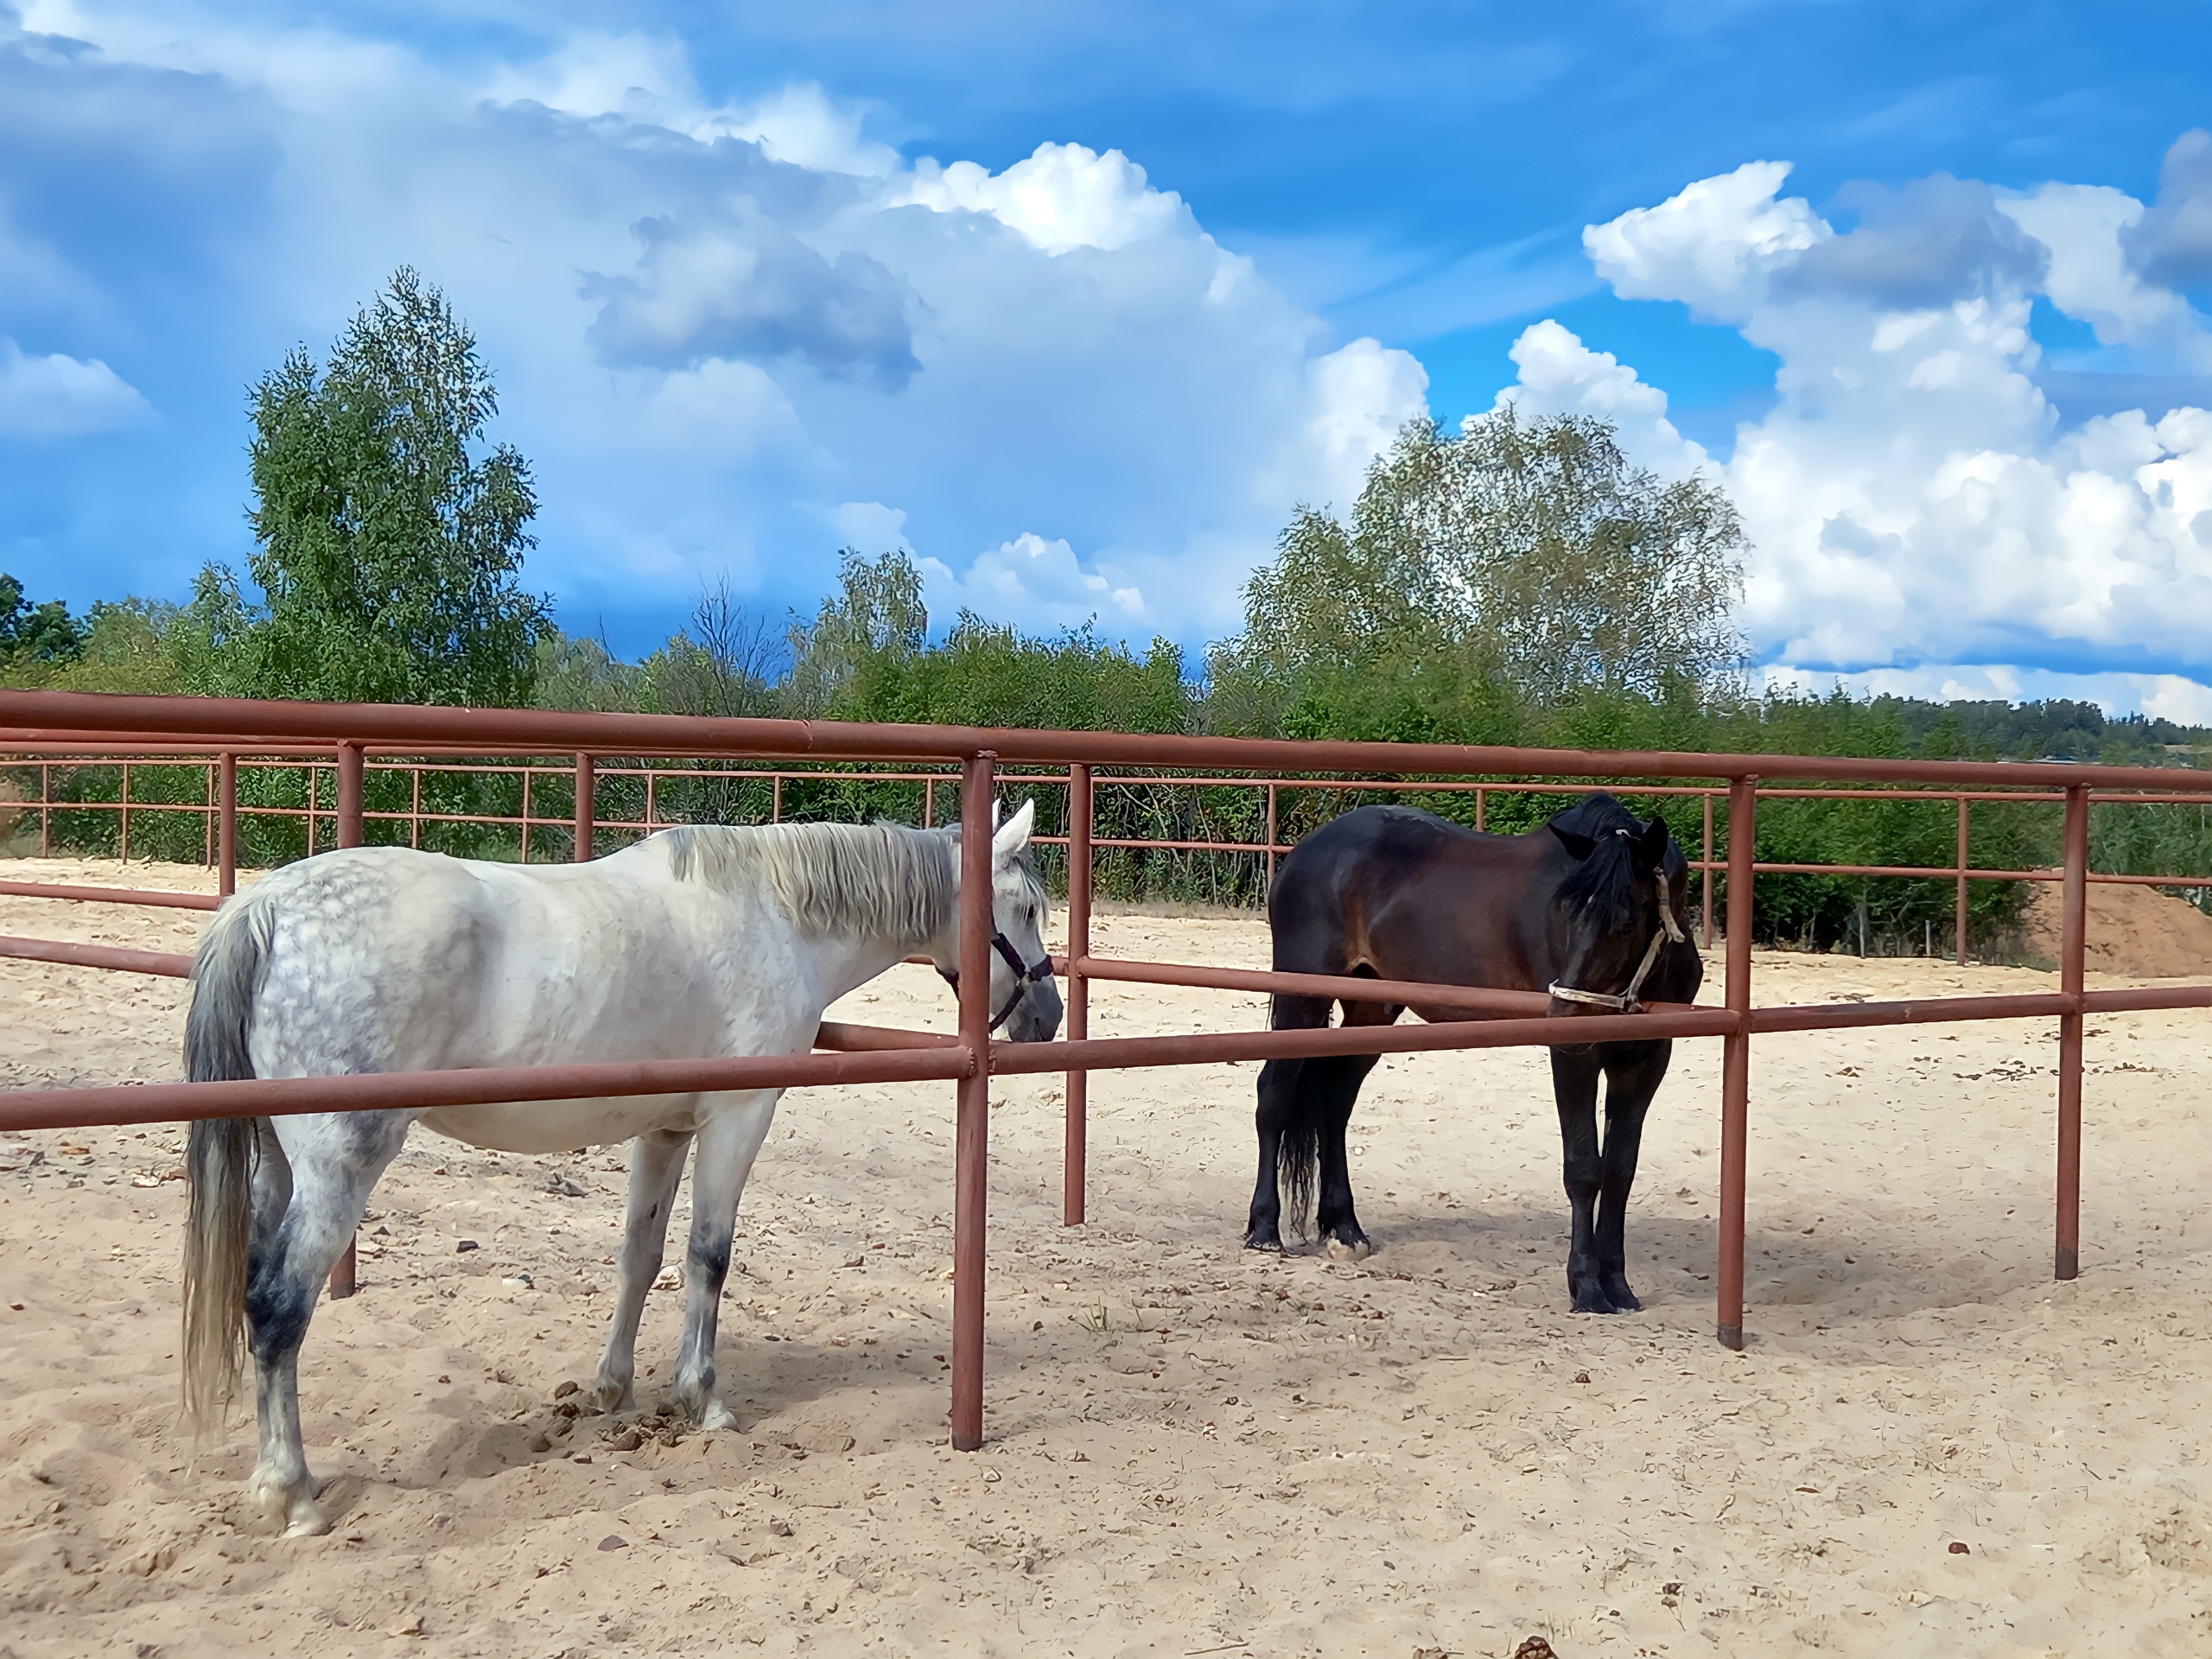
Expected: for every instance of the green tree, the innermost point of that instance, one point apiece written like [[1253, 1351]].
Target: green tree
[[37, 633], [390, 544], [873, 626], [1519, 565]]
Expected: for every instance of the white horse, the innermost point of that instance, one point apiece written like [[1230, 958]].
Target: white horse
[[695, 943]]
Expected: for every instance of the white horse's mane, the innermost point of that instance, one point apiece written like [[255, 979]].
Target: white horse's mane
[[881, 879]]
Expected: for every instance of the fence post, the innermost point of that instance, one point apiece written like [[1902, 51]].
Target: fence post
[[208, 824], [126, 812], [776, 800], [1271, 830], [1482, 810], [1736, 1060], [45, 810], [349, 795], [1705, 906], [2073, 939], [1961, 902], [929, 803], [528, 771], [586, 808], [226, 825], [972, 1128], [1076, 1158]]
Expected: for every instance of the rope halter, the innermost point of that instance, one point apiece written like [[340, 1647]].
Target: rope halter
[[1670, 930]]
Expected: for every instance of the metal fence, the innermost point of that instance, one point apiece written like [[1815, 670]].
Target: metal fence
[[225, 734]]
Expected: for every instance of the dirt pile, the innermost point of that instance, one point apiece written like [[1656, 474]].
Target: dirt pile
[[2131, 929]]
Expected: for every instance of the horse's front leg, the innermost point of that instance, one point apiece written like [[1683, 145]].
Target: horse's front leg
[[1574, 1088], [730, 1137], [1633, 1073], [313, 1179], [656, 1166]]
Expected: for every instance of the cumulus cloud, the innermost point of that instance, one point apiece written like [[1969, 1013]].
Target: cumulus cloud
[[1912, 495], [1561, 376], [1356, 398], [1061, 198], [1030, 580], [61, 396], [2171, 245], [741, 285]]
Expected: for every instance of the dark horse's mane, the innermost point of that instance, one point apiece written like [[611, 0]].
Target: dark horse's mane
[[1603, 884]]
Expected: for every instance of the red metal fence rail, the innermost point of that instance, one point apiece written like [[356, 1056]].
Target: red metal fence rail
[[54, 722]]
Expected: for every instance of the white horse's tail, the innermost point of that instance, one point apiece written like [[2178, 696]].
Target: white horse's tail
[[219, 1161]]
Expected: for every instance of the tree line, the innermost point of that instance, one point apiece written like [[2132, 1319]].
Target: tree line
[[1517, 580]]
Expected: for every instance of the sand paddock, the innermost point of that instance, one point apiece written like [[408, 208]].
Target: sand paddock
[[1193, 1449]]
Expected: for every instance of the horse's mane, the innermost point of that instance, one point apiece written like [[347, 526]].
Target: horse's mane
[[839, 877], [1603, 886], [882, 879]]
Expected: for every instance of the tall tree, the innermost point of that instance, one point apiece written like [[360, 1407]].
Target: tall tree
[[1519, 559], [390, 543]]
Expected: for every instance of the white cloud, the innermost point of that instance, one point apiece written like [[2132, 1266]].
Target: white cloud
[[1031, 581], [1355, 399], [2084, 226], [1561, 376], [869, 527], [1062, 197], [59, 397], [1911, 495]]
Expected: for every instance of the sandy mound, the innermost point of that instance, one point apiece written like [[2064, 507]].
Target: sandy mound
[[2132, 929]]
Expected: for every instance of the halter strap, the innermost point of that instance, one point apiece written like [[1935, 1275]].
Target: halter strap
[[1025, 975], [1627, 1002]]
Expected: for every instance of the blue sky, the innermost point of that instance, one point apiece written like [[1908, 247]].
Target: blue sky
[[1078, 302]]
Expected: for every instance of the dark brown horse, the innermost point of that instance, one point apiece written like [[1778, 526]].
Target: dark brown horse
[[1586, 907]]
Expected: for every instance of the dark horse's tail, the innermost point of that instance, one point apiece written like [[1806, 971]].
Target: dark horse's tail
[[1298, 1153]]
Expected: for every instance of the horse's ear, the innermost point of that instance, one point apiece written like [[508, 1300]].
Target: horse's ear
[[1579, 845], [1651, 847], [1013, 834]]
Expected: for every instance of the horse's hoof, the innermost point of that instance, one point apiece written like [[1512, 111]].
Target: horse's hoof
[[612, 1396], [1357, 1249], [308, 1521], [1591, 1299], [1272, 1246], [1622, 1299], [716, 1415]]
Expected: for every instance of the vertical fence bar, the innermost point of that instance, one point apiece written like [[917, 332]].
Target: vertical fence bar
[[415, 805], [208, 824], [226, 825], [1271, 830], [527, 770], [1705, 905], [586, 808], [45, 810], [343, 1277], [776, 800], [929, 803], [1959, 903], [1482, 809], [1736, 1061], [126, 812], [1075, 1162], [972, 1129], [2073, 940]]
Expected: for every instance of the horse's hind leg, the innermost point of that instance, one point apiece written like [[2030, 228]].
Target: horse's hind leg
[[1333, 1085], [1279, 1085], [656, 1166], [728, 1143], [1287, 1132], [1574, 1088], [1633, 1073], [307, 1197]]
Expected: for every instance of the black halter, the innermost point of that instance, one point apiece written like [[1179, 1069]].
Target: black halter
[[1025, 975]]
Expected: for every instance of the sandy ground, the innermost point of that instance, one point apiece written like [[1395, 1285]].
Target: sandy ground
[[1193, 1449]]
